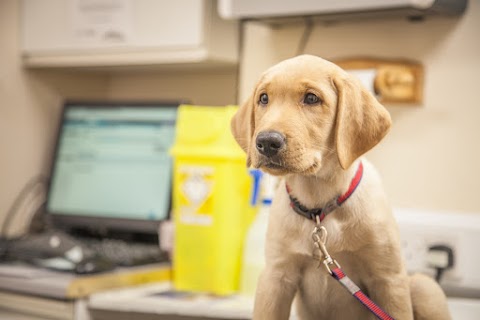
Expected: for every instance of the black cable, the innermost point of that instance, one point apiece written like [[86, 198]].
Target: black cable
[[26, 190], [449, 263], [305, 36], [439, 274]]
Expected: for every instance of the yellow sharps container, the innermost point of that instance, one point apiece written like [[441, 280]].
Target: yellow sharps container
[[211, 188]]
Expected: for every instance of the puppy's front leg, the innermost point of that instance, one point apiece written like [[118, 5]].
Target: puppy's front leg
[[392, 293], [274, 296]]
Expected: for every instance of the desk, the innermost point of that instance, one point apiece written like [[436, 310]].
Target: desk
[[158, 301], [46, 294]]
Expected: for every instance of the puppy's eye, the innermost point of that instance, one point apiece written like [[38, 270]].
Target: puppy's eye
[[263, 98], [310, 98]]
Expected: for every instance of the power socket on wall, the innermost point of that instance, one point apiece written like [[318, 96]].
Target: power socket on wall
[[416, 242], [420, 230]]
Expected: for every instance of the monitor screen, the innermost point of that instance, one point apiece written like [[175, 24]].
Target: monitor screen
[[112, 168]]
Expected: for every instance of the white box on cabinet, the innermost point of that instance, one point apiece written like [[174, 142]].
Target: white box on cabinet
[[123, 33]]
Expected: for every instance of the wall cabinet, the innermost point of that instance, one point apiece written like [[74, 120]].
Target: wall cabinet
[[125, 33]]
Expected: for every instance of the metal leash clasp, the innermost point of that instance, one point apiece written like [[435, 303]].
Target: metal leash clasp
[[319, 236]]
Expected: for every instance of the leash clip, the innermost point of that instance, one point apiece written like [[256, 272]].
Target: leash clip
[[319, 236]]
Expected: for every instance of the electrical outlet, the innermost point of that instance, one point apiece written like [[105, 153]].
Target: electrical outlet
[[420, 229], [416, 242]]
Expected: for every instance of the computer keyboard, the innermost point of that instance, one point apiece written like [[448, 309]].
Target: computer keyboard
[[60, 251], [55, 250], [123, 253]]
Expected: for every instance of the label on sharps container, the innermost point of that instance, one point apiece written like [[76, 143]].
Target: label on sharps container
[[196, 187]]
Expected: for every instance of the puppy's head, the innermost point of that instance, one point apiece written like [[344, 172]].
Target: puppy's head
[[304, 111]]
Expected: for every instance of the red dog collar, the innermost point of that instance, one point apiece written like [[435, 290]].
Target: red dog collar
[[331, 205]]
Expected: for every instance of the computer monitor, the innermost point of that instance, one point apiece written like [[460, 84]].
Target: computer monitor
[[111, 168]]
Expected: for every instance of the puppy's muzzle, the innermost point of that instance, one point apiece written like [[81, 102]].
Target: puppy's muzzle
[[269, 143]]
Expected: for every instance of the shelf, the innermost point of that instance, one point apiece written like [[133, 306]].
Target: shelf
[[149, 34]]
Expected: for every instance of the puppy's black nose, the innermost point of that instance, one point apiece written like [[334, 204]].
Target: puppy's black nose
[[269, 142]]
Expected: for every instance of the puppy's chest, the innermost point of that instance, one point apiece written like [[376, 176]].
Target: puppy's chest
[[321, 295], [335, 242]]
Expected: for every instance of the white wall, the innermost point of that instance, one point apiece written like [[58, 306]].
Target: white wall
[[431, 158], [207, 87]]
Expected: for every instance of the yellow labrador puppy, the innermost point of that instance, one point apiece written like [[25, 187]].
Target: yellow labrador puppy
[[310, 121]]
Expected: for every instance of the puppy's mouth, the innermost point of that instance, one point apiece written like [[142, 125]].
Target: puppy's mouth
[[269, 163], [272, 165], [278, 166]]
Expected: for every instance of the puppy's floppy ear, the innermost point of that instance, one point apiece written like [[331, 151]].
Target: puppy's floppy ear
[[361, 120], [243, 126]]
